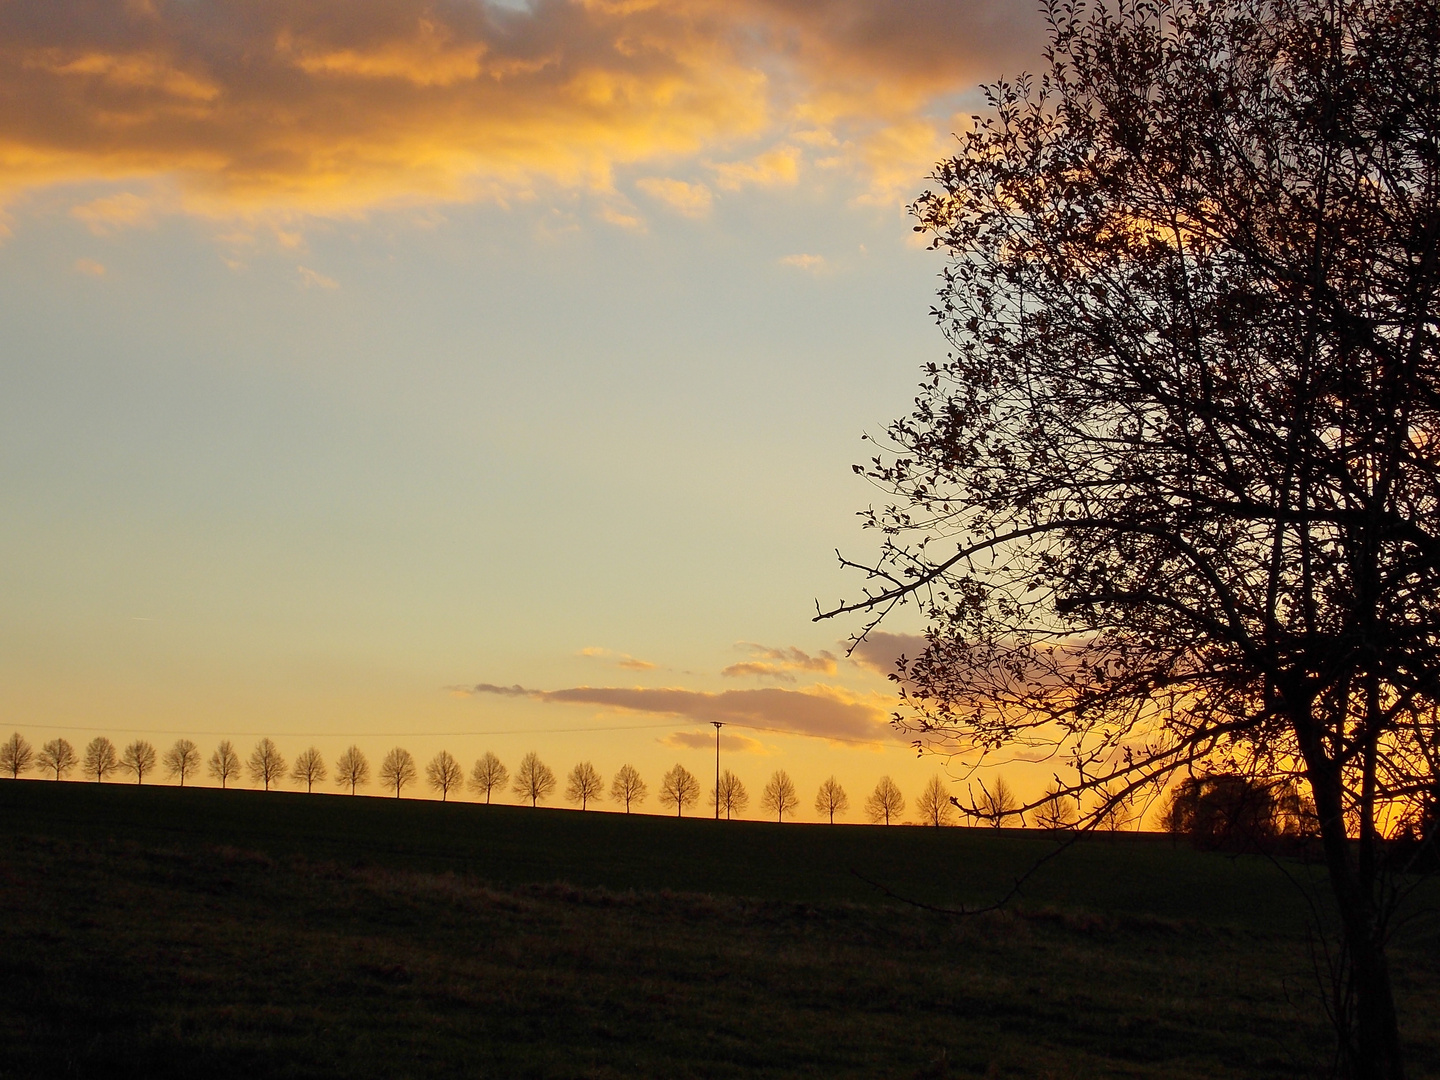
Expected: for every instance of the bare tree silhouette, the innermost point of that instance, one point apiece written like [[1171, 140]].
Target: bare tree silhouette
[[444, 773], [138, 758], [266, 764], [1112, 808], [627, 787], [533, 779], [997, 803], [1056, 810], [732, 798], [831, 800], [583, 784], [779, 796], [180, 760], [16, 756], [489, 775], [101, 758], [934, 807], [679, 788], [309, 769], [885, 802], [352, 768], [397, 770], [224, 763], [57, 756]]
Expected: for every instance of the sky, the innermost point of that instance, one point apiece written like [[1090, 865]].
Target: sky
[[466, 375]]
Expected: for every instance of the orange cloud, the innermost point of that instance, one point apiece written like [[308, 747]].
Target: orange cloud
[[338, 106], [819, 711]]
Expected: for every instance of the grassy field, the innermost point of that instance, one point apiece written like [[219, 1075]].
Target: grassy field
[[158, 932]]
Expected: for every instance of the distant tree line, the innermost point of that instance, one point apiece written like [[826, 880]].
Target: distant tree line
[[1233, 812], [532, 781]]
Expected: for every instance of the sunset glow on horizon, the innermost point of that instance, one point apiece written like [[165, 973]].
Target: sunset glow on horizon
[[468, 375]]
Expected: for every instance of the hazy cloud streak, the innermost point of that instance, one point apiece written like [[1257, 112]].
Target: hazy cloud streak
[[821, 711]]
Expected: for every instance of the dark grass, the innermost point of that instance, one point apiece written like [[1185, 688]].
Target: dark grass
[[158, 932]]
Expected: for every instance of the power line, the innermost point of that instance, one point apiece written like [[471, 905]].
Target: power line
[[370, 734], [467, 734]]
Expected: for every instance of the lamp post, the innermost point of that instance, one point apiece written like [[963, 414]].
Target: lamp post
[[718, 725]]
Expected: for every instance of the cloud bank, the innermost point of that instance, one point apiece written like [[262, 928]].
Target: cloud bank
[[338, 106], [820, 711], [880, 651]]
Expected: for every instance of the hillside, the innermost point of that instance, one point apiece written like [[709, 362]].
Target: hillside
[[161, 932]]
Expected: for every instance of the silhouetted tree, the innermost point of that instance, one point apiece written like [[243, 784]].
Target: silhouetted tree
[[57, 756], [679, 788], [488, 775], [627, 787], [997, 803], [397, 770], [444, 773], [1173, 498], [309, 768], [885, 802], [16, 756], [266, 764], [180, 760], [1055, 810], [779, 796], [352, 769], [533, 779], [934, 807], [1224, 811], [224, 763], [732, 796], [1113, 808], [831, 800], [583, 784], [101, 758], [138, 759]]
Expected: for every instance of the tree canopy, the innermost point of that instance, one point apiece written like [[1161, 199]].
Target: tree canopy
[[1173, 498]]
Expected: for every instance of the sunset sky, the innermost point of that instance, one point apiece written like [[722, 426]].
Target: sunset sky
[[463, 374]]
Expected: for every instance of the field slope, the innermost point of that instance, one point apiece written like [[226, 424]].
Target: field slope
[[158, 932]]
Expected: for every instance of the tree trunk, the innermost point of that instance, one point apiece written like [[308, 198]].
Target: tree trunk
[[1370, 1038]]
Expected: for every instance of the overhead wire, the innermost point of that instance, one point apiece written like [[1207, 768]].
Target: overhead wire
[[473, 734]]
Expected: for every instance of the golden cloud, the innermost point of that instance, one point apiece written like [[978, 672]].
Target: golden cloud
[[335, 106], [778, 166]]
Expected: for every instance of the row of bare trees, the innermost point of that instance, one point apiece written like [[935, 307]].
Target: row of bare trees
[[533, 780]]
